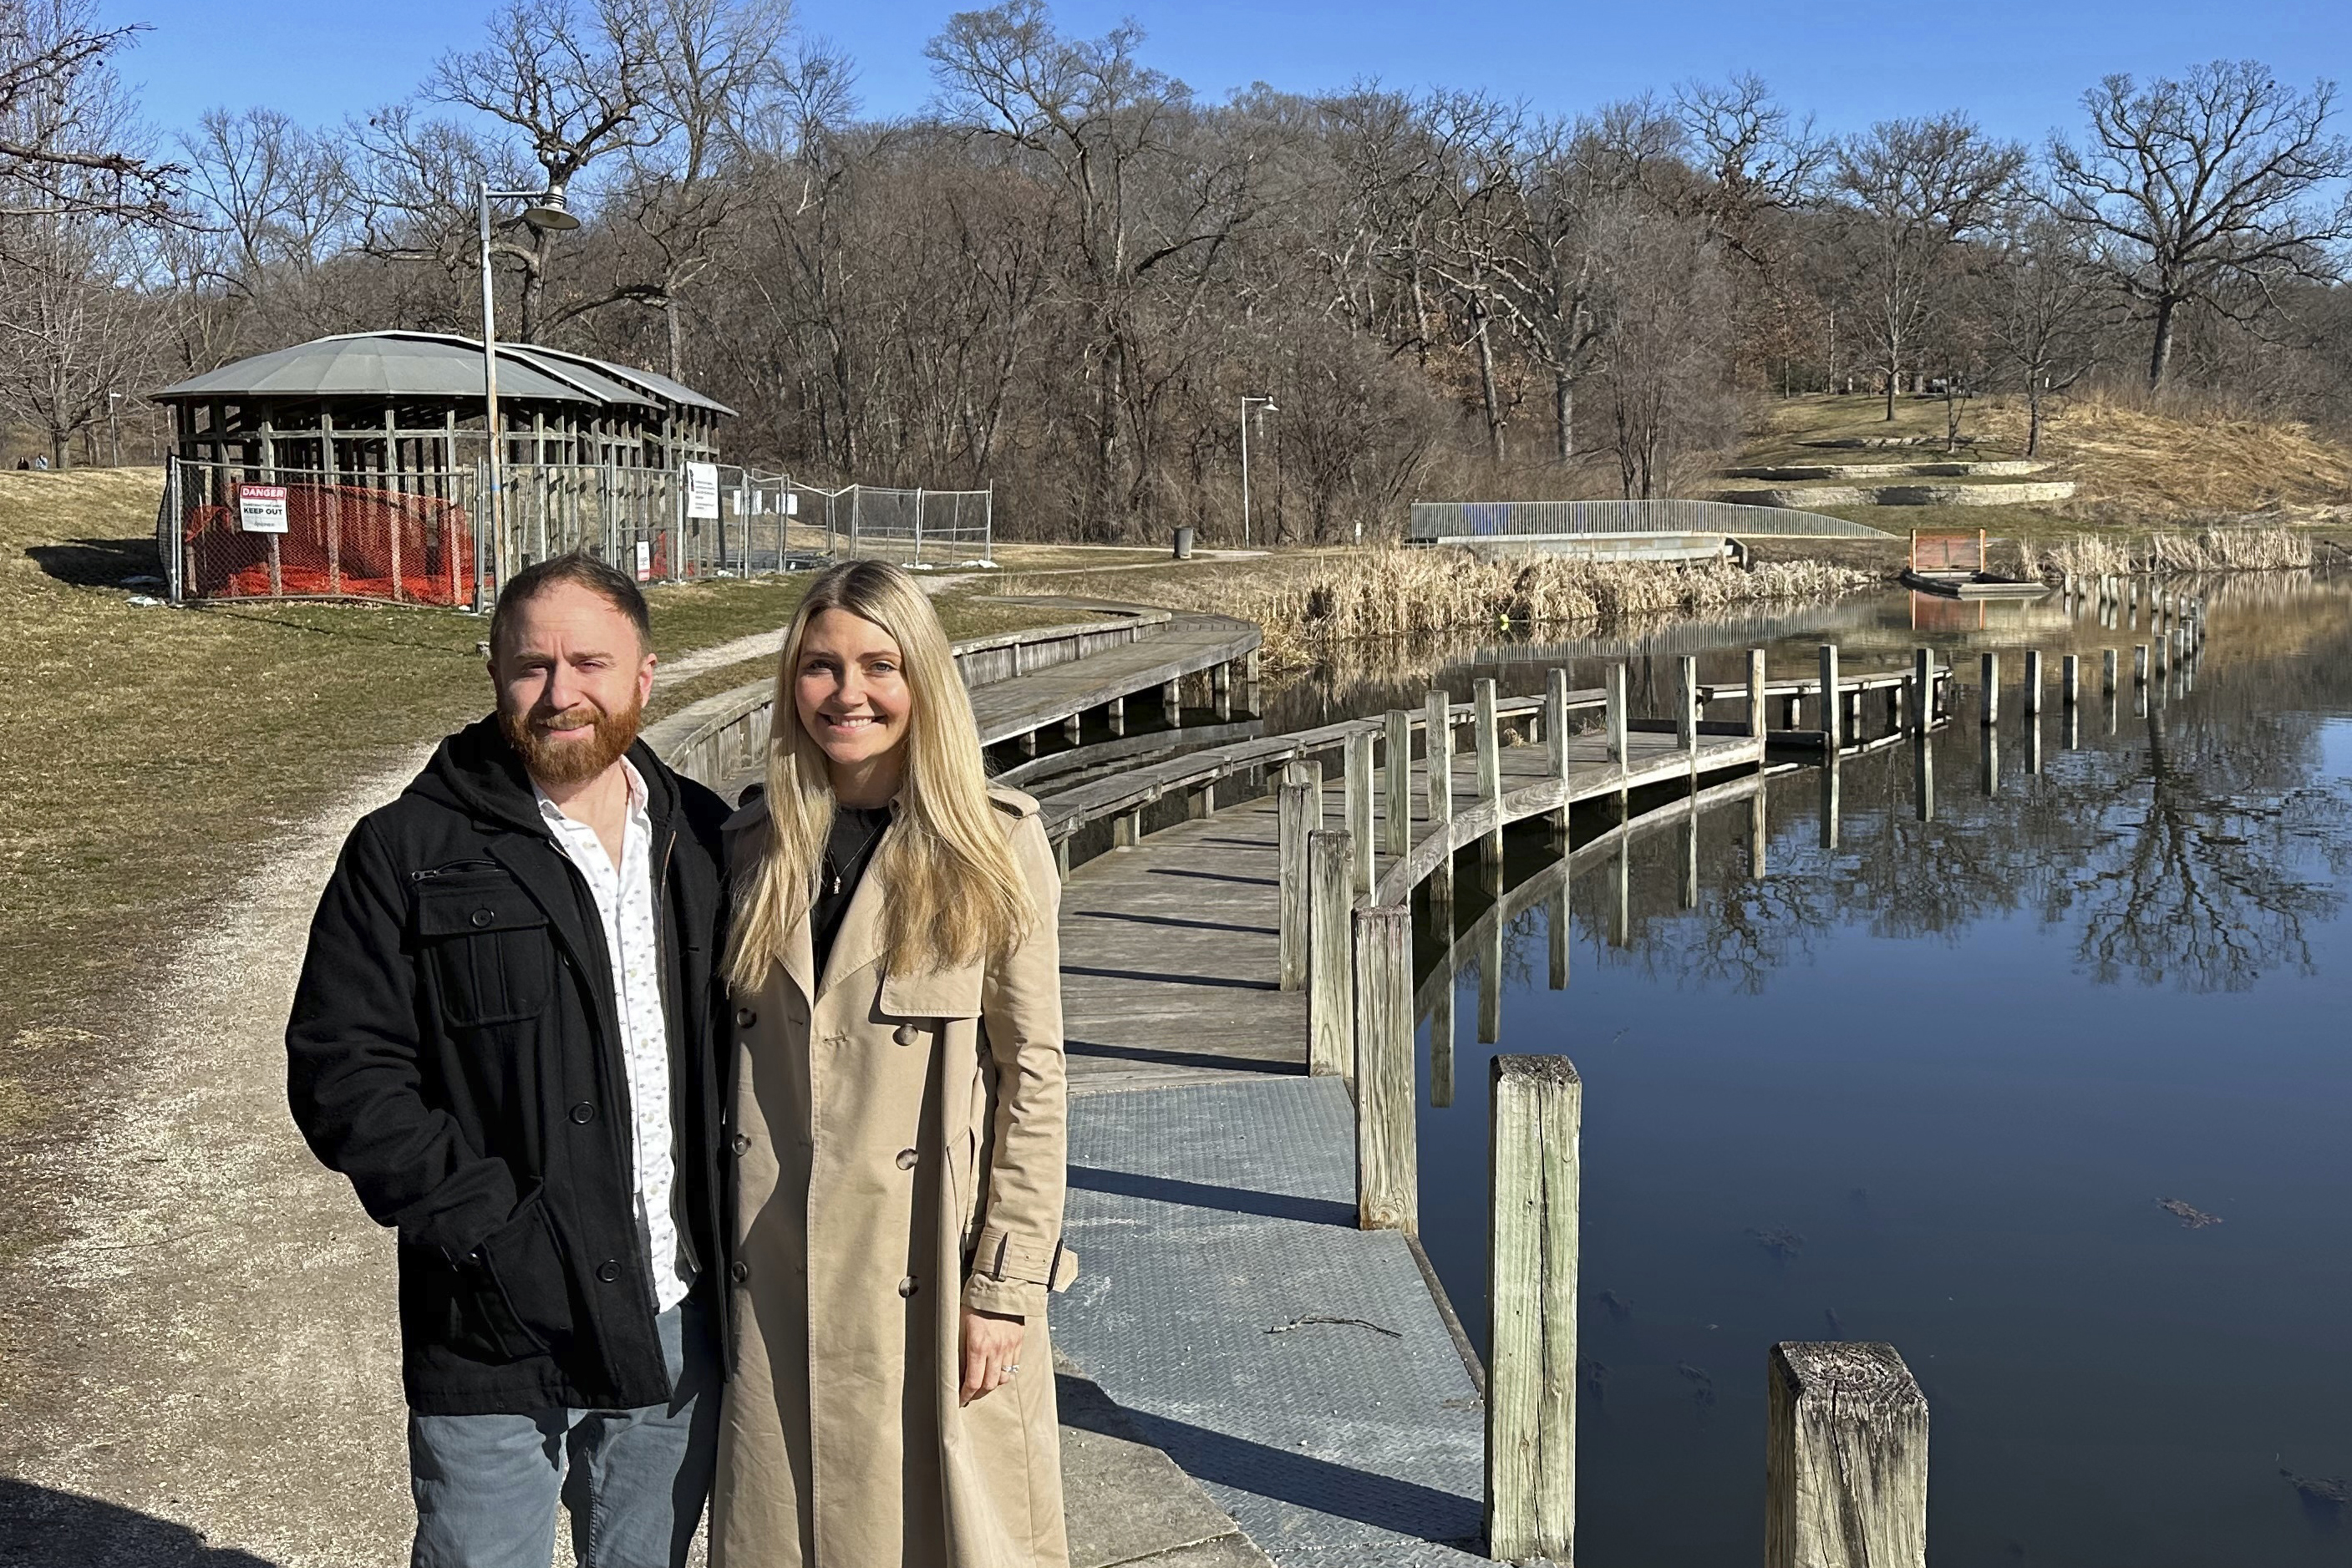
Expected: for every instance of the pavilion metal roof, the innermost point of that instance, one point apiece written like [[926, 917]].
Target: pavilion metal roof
[[429, 365]]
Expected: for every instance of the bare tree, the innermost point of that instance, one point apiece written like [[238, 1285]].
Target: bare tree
[[2203, 183], [1911, 190], [1662, 369], [2042, 317], [69, 145]]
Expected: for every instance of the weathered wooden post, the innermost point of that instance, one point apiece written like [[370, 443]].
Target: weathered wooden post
[[1439, 744], [1201, 801], [1614, 686], [1923, 688], [1252, 692], [1388, 1170], [1172, 704], [1991, 689], [2033, 695], [1490, 770], [1555, 729], [1833, 710], [1330, 989], [1116, 712], [1127, 828], [1687, 707], [1299, 812], [1397, 782], [1359, 821], [1535, 1106], [1845, 1458], [1073, 727], [1220, 689], [1756, 693]]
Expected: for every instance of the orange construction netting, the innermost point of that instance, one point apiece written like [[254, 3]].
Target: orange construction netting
[[341, 541]]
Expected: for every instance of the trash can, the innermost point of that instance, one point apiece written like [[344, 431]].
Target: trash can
[[1184, 550]]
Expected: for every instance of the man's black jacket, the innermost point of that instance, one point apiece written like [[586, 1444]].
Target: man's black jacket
[[455, 1049]]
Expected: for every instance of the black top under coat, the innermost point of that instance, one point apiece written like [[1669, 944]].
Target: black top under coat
[[849, 850]]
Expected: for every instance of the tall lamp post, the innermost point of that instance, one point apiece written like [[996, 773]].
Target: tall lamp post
[[114, 426], [545, 213], [1269, 408]]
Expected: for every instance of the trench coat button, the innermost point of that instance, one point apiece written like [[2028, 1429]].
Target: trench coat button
[[583, 1114], [906, 1159], [608, 1271], [907, 1286], [483, 917], [738, 1270], [741, 1142], [906, 1034], [745, 1017]]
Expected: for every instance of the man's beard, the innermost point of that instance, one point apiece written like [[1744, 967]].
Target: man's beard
[[556, 763]]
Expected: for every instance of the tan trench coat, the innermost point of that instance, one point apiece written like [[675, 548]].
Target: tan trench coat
[[898, 1143]]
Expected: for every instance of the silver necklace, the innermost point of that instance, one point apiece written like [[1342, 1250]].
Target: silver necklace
[[833, 873]]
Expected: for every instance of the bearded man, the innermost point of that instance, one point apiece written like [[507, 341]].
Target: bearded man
[[504, 1036]]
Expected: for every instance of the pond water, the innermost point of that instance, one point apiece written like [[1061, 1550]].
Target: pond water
[[1930, 1079]]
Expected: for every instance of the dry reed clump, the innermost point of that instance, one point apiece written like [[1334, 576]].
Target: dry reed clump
[[2213, 549], [2171, 459], [1305, 601]]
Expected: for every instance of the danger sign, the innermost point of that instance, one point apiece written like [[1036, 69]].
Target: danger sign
[[262, 508]]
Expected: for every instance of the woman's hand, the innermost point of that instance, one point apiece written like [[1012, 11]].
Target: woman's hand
[[992, 1353]]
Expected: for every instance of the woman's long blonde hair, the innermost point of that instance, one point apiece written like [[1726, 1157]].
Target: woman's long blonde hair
[[956, 895]]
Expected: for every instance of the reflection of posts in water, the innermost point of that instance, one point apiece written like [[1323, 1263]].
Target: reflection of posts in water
[[1556, 916], [1330, 1025], [1396, 784], [1833, 709], [1689, 899], [2030, 702], [1441, 1045], [1388, 1173], [1687, 707], [1990, 774], [1359, 817], [1555, 729], [2107, 665], [2069, 682], [1620, 926], [2033, 745], [1756, 693], [2139, 700], [1829, 803], [1299, 812], [1823, 1508], [1490, 770], [1923, 688], [2140, 663], [2073, 728], [1490, 977], [1991, 678], [1923, 775], [1759, 835], [1535, 1106]]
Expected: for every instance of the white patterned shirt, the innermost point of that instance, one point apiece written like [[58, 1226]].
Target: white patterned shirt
[[624, 900]]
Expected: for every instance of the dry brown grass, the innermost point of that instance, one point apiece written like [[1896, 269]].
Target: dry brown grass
[[1305, 599], [2179, 461], [2210, 550]]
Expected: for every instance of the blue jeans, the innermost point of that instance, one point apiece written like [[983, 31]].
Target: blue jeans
[[635, 1480]]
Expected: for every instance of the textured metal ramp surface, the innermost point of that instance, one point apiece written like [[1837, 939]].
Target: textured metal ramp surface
[[1205, 1215]]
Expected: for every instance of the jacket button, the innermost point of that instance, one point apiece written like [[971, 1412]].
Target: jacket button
[[907, 1286], [738, 1270], [583, 1113], [906, 1034], [608, 1271], [483, 917], [745, 1017], [741, 1142], [907, 1158]]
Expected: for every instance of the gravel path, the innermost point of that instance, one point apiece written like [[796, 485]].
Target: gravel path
[[215, 1341]]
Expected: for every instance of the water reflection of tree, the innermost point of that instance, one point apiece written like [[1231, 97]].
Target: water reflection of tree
[[2199, 852]]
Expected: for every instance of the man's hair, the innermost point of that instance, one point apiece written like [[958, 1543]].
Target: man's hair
[[581, 570]]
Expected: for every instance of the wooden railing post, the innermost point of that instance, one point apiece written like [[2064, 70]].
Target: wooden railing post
[[1845, 1458], [1299, 808], [1115, 711], [1330, 1020], [1172, 704], [1555, 729], [1755, 727], [1220, 689], [1388, 1170], [1359, 819], [1616, 711], [1991, 688], [1833, 709], [1490, 768], [1535, 1106], [1440, 721], [1397, 781]]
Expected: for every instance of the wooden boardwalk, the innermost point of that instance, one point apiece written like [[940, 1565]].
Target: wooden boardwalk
[[1171, 950]]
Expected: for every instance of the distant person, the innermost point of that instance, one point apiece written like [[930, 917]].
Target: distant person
[[40, 460], [898, 1119], [504, 1035]]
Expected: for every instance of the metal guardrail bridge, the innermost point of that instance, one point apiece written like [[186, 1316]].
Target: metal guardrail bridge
[[1495, 522]]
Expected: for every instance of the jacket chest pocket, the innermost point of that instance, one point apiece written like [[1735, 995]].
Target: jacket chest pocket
[[488, 950]]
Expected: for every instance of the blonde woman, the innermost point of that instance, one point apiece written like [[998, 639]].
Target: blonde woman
[[897, 1119]]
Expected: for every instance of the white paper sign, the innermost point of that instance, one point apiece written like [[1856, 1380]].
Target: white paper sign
[[702, 490], [262, 508], [645, 560], [791, 503]]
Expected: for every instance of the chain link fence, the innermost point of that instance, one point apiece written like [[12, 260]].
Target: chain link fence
[[235, 531]]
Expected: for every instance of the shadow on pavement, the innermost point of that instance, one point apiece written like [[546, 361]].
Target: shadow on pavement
[[43, 1528]]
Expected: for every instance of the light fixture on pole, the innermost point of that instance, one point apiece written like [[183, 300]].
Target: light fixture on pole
[[545, 213], [1268, 408]]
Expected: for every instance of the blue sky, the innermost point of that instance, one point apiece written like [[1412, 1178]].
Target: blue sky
[[2020, 68]]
